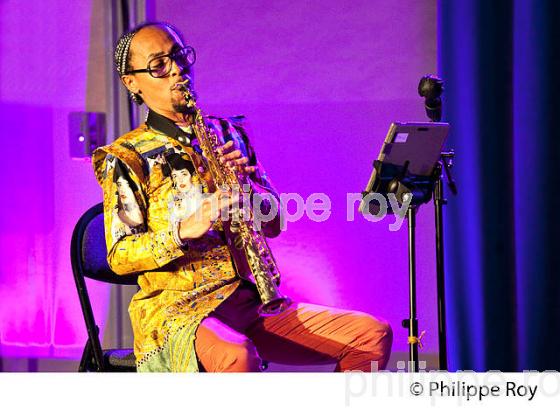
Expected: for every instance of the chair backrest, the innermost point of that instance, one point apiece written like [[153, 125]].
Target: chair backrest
[[88, 253], [89, 250]]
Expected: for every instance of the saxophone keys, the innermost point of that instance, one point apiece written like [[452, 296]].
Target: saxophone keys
[[238, 242]]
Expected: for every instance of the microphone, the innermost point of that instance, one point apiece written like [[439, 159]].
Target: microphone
[[430, 88]]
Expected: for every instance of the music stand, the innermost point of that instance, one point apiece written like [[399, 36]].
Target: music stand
[[408, 167]]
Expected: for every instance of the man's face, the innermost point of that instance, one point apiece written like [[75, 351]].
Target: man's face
[[158, 93]]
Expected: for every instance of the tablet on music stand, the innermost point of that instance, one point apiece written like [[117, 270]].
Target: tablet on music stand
[[409, 149]]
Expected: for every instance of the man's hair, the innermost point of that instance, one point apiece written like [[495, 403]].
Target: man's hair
[[122, 54]]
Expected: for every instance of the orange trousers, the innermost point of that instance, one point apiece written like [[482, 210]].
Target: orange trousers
[[235, 339]]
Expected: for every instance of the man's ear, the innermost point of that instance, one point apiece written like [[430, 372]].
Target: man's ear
[[130, 83]]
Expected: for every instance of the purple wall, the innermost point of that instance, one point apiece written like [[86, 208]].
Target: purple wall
[[44, 50], [320, 82]]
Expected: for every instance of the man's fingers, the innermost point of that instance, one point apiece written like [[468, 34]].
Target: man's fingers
[[234, 160], [237, 164], [231, 155], [222, 149], [240, 161], [207, 209]]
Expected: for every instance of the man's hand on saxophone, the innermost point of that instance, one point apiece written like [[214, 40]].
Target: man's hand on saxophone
[[234, 159], [198, 223]]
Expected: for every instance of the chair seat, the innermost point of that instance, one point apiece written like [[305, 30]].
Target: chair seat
[[119, 360]]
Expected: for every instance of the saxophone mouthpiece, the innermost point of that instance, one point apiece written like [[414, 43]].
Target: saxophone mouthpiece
[[185, 87], [182, 85]]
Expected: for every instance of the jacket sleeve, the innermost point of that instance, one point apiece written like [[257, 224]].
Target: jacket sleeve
[[262, 187], [131, 246]]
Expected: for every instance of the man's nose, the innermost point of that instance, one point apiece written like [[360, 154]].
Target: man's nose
[[175, 69]]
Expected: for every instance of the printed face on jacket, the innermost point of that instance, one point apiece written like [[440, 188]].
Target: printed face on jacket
[[126, 196], [128, 210], [181, 180], [186, 194]]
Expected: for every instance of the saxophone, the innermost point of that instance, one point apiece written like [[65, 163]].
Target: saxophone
[[251, 254]]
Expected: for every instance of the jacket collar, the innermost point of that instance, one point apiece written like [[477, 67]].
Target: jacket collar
[[167, 127]]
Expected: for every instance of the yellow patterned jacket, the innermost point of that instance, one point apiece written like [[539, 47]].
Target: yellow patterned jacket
[[153, 177]]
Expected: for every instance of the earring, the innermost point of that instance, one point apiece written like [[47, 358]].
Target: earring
[[136, 98]]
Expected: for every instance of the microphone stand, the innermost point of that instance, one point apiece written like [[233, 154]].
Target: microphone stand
[[430, 88], [412, 322], [420, 188]]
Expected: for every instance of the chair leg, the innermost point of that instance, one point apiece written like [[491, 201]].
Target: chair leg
[[85, 362]]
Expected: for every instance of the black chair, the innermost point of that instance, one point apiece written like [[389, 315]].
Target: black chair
[[88, 252], [89, 260]]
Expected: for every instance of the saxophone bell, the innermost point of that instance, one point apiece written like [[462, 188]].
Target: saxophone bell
[[274, 307]]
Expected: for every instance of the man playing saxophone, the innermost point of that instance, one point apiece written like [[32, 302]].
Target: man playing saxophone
[[193, 311]]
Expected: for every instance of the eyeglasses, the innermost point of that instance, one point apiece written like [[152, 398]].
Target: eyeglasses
[[160, 66]]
